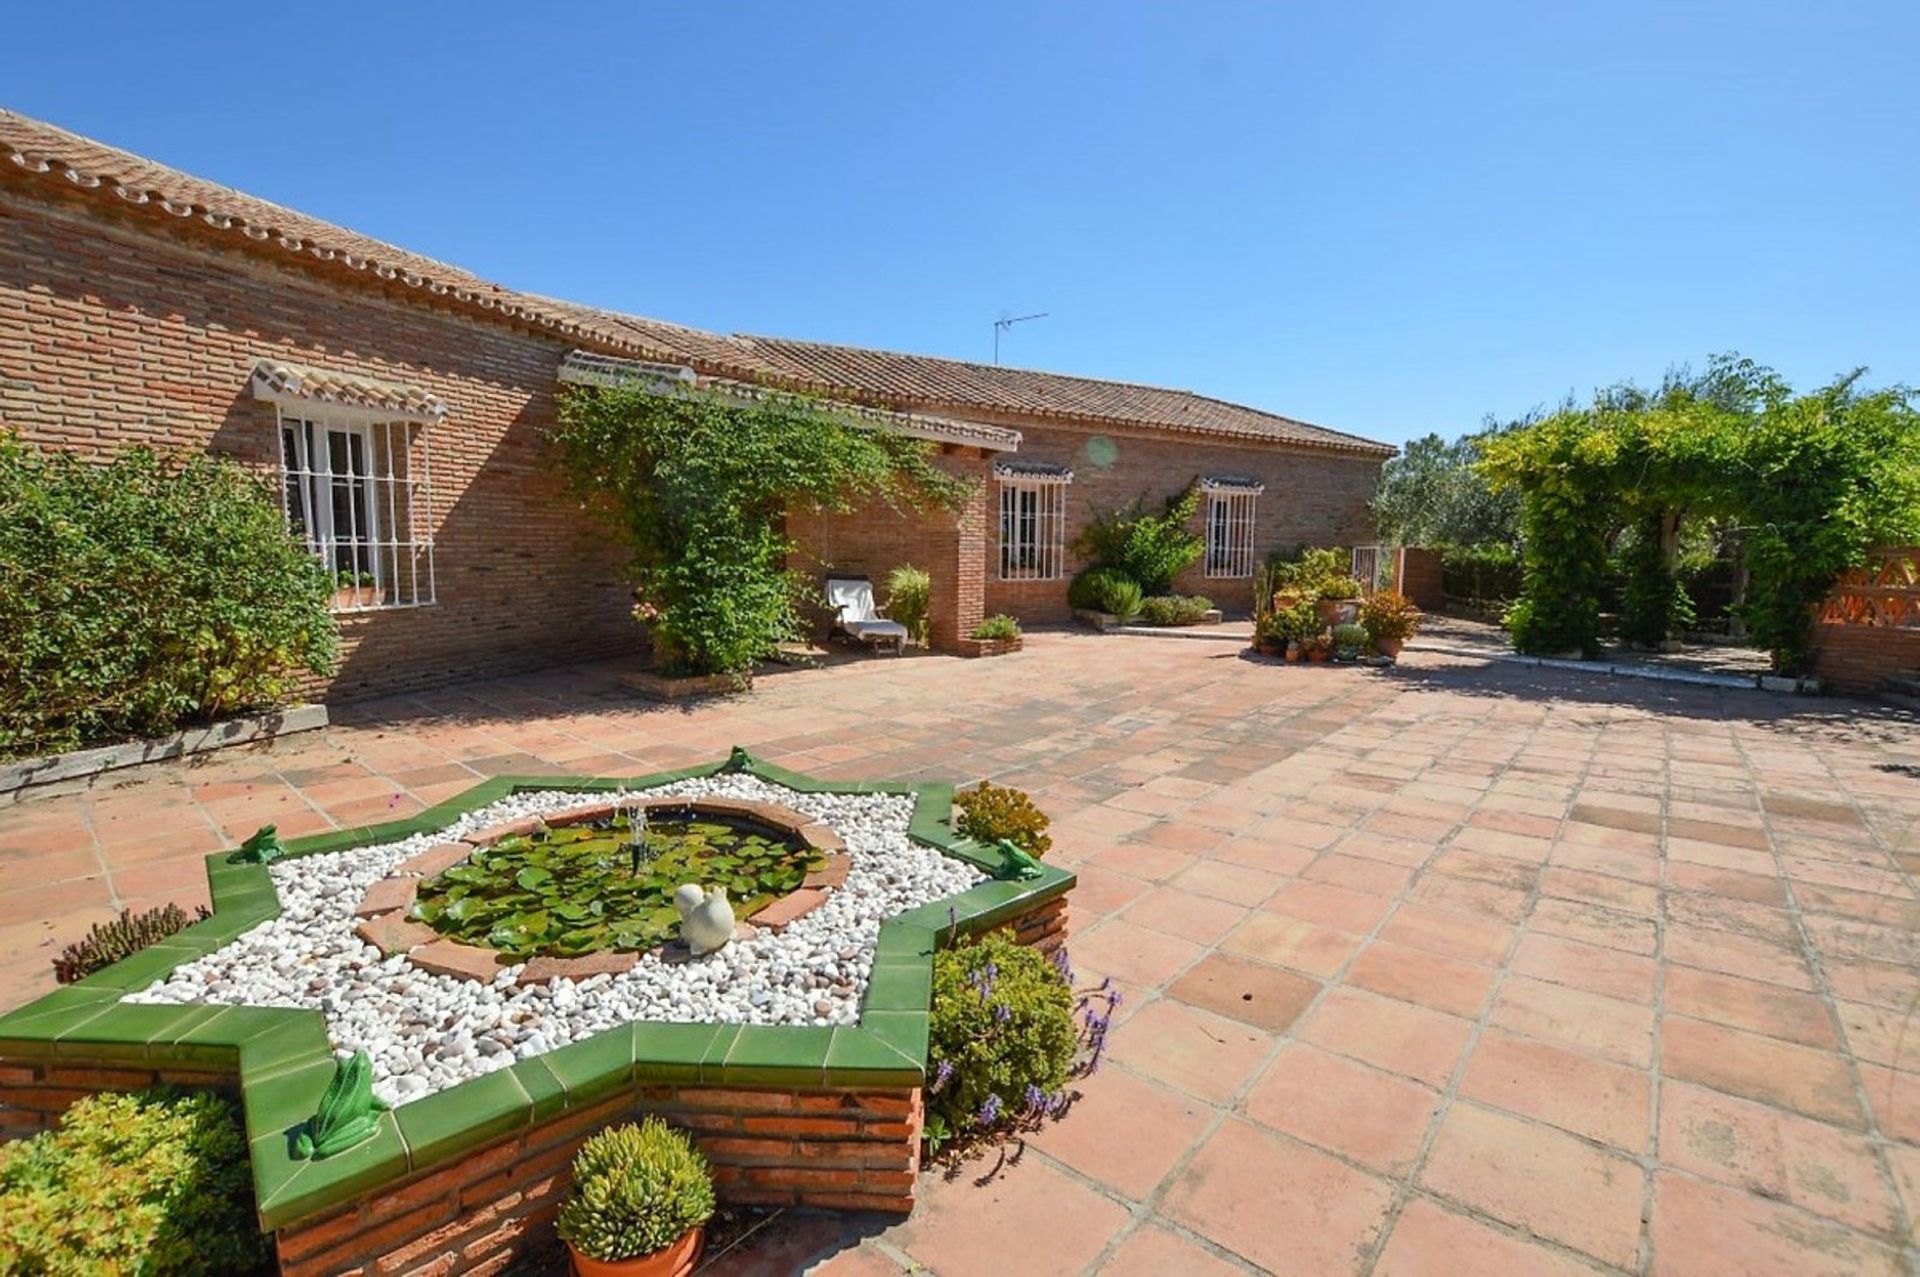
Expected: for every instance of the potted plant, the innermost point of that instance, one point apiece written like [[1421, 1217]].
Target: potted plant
[[639, 1205], [995, 636], [354, 589], [1390, 619], [1339, 599], [1318, 648], [1349, 639]]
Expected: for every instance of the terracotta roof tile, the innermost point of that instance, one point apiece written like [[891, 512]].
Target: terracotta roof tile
[[880, 378]]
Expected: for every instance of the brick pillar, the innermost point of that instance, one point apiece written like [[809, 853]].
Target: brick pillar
[[959, 559]]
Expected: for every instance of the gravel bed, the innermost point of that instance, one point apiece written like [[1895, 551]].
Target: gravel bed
[[425, 1032]]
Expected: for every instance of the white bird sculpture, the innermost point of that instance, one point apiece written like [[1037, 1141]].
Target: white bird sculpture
[[706, 918]]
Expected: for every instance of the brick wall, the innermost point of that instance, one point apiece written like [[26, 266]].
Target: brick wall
[[1314, 497], [33, 1094], [836, 1149], [873, 541], [111, 335], [1859, 658], [1416, 574]]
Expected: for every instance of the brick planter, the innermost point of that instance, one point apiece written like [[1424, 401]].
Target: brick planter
[[659, 687], [987, 647], [468, 1179]]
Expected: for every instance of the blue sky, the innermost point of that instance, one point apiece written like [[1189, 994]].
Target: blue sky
[[1390, 218]]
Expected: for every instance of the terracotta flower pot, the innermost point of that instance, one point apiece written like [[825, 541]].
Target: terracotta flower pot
[[1318, 654], [675, 1260], [1293, 653], [1388, 647]]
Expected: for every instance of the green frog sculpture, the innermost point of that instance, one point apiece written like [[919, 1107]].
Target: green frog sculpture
[[349, 1111], [262, 849], [1015, 864]]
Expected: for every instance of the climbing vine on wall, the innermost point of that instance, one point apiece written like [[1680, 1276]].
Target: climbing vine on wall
[[701, 485]]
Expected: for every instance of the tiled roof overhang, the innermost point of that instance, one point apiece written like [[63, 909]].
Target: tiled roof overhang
[[1033, 471], [583, 367], [298, 384], [1232, 483]]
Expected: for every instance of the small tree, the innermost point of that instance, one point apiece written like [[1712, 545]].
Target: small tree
[[702, 486]]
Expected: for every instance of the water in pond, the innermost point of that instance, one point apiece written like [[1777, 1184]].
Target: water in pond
[[579, 890]]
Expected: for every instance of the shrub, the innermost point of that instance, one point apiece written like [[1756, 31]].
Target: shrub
[[155, 1182], [1488, 572], [140, 596], [1000, 627], [636, 1190], [1151, 549], [108, 942], [1295, 623], [1106, 590], [1175, 609], [1310, 568], [1349, 639], [909, 599], [990, 812], [1340, 589], [1389, 616], [1002, 1037]]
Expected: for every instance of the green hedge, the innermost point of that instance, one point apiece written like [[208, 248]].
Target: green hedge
[[139, 596]]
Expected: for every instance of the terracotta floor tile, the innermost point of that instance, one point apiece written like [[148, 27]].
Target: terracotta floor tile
[[1751, 1005], [1459, 988], [1152, 1251], [1431, 1241], [1282, 1206], [1290, 942], [1705, 1230], [1538, 1179], [1817, 1167], [1375, 1118], [1235, 884], [1735, 884], [1180, 913], [1388, 1034], [1124, 1132], [1352, 911], [1357, 874], [1464, 895], [1261, 995], [1153, 864], [1026, 1201], [1587, 1022], [1486, 867], [1731, 954], [1894, 1095], [1800, 1078], [1202, 1053], [1608, 928], [1470, 937], [1607, 972], [1633, 866], [1134, 953], [1599, 1099]]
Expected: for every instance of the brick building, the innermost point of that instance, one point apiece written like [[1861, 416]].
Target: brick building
[[399, 404]]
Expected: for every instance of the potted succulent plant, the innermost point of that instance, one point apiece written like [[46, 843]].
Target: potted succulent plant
[[1338, 599], [639, 1205], [1390, 619], [1349, 640]]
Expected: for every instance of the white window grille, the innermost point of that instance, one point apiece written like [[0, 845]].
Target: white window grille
[[1366, 566], [359, 492], [1230, 515], [1033, 521]]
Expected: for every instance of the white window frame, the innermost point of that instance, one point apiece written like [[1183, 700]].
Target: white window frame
[[396, 542], [1230, 514], [1033, 525]]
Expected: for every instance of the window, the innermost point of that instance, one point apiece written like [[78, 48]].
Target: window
[[1230, 526], [1033, 521], [356, 492]]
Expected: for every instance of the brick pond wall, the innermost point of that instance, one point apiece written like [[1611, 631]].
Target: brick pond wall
[[33, 1094], [852, 1150]]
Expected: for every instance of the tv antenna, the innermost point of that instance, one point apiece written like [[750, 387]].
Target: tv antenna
[[1006, 322]]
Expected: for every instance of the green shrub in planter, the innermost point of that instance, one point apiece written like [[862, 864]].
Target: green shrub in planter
[[910, 599], [636, 1190], [1000, 627], [155, 1183], [990, 813], [1106, 590], [1349, 640], [1294, 624], [1003, 1038]]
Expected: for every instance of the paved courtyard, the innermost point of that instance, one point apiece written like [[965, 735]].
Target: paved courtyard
[[1451, 969]]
